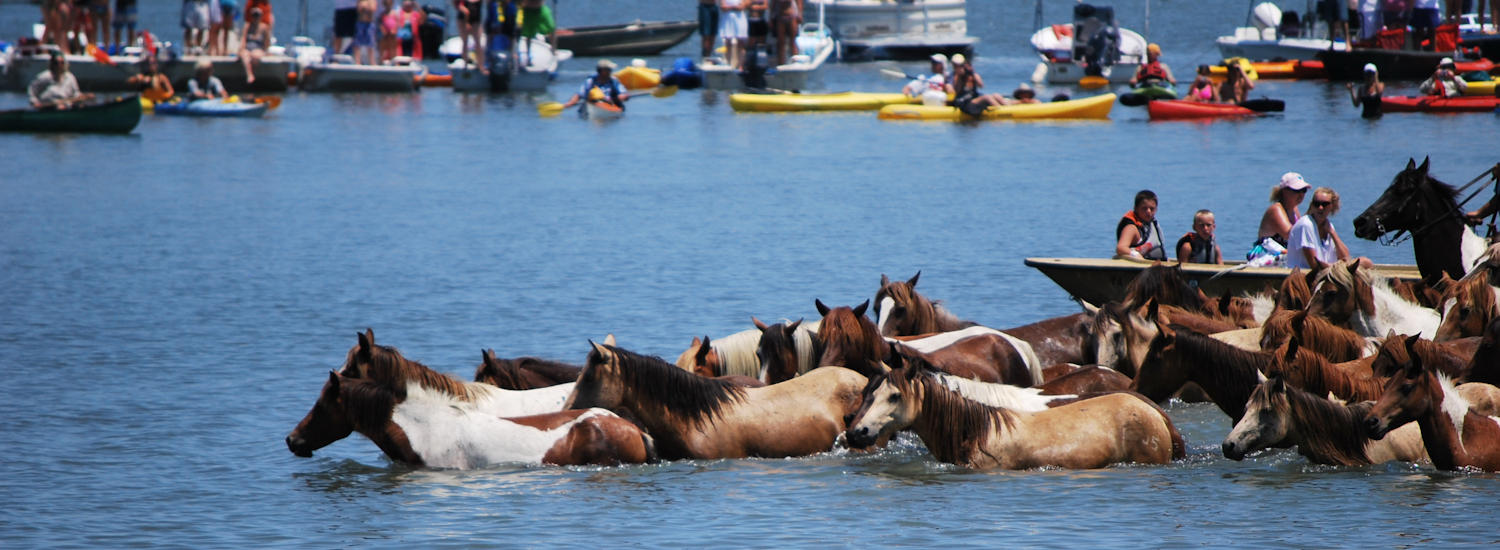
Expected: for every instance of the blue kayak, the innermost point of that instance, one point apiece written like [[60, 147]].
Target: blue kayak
[[212, 108]]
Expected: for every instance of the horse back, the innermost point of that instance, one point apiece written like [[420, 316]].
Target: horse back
[[601, 438], [1059, 339], [1104, 430], [1089, 379]]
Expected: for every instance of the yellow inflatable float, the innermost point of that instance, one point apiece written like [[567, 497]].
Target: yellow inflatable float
[[638, 76]]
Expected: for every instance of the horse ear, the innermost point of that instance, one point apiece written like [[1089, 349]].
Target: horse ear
[[366, 344], [1293, 345], [884, 280], [860, 311], [792, 328], [1411, 163], [695, 344], [487, 356], [758, 324], [1298, 319], [1152, 309], [599, 349], [912, 282], [822, 309], [1167, 334], [1090, 308], [333, 380], [1278, 384], [609, 339], [1423, 167], [1411, 352], [702, 355]]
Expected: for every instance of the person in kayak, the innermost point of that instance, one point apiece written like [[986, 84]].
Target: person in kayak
[[930, 88], [152, 83], [1153, 69], [56, 87], [603, 79], [1198, 246], [1444, 81], [1367, 96], [1202, 90], [1137, 235], [964, 85], [204, 85], [1236, 87], [1023, 94], [1313, 243]]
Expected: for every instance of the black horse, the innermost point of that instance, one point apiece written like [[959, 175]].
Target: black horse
[[1427, 209]]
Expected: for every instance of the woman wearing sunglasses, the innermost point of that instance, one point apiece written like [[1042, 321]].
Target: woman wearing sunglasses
[[1313, 244]]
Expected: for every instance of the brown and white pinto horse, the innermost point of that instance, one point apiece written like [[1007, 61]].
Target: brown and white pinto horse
[[1279, 415], [523, 373], [423, 427], [980, 353], [1065, 339], [1091, 433], [901, 311], [1467, 307], [1354, 297], [703, 418], [1455, 435], [384, 365]]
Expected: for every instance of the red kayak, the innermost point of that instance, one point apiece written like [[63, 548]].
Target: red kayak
[[1434, 104], [1176, 109]]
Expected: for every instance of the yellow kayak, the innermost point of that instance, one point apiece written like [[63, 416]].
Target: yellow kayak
[[1252, 70], [1089, 107], [846, 101], [1482, 87]]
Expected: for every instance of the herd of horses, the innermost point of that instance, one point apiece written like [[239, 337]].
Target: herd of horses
[[1347, 366]]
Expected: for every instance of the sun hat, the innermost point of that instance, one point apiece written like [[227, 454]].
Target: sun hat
[[1293, 181], [959, 59], [606, 64], [1445, 62], [1370, 68], [939, 58]]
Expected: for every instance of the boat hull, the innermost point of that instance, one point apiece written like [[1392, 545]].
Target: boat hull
[[1175, 109], [212, 108], [1286, 49], [342, 77], [1099, 280], [791, 76], [598, 110], [847, 101], [1393, 64], [1096, 107], [116, 117], [270, 73], [906, 30], [1431, 104], [638, 38]]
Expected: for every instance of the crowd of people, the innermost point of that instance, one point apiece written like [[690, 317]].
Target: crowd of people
[[747, 25], [1286, 237], [962, 84]]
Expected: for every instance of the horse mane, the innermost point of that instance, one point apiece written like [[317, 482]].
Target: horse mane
[[1311, 371], [1331, 433], [556, 371], [1294, 294], [388, 366], [509, 373], [1196, 321], [657, 383], [930, 316], [957, 425], [997, 395], [1318, 334], [1433, 355], [1476, 291], [842, 328], [809, 347], [1166, 285], [737, 352], [1221, 365]]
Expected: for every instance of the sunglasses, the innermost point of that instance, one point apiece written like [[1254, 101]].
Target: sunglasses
[[1321, 204]]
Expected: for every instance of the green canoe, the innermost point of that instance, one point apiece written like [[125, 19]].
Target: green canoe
[[115, 117]]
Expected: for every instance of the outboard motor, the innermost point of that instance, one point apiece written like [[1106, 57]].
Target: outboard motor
[[434, 26], [1096, 40], [754, 73]]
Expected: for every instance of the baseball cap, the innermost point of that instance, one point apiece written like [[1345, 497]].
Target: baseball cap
[[606, 64], [1293, 181], [1446, 61], [939, 58], [1370, 67]]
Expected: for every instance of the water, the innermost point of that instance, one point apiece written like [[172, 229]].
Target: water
[[172, 301]]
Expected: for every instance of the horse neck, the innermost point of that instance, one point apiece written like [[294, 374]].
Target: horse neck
[[1443, 427], [1328, 433], [1392, 312], [939, 319], [999, 395], [953, 428], [1444, 247], [1228, 374]]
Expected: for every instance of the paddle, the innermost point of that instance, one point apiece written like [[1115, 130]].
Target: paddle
[[1224, 272], [553, 108], [1264, 105], [898, 74]]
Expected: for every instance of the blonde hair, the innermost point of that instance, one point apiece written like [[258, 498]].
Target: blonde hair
[[1333, 197]]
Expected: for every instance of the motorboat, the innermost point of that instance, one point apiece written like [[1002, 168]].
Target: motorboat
[[530, 68], [342, 74], [1105, 50], [1275, 35], [814, 47], [901, 30], [637, 38]]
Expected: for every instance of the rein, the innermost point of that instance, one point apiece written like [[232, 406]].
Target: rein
[[1453, 211]]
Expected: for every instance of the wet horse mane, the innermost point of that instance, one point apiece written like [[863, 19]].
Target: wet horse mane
[[387, 366], [1216, 364], [854, 335], [1166, 285], [928, 316], [1332, 432], [1314, 373], [1315, 333], [1294, 293], [958, 425], [656, 383], [511, 373]]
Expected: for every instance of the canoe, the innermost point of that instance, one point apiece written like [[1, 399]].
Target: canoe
[[601, 110], [1433, 104], [637, 38], [115, 117], [1096, 107], [1101, 280], [1174, 109], [217, 108], [846, 101]]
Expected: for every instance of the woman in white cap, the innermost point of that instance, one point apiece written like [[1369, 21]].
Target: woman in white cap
[[1367, 97], [610, 88], [1445, 82], [1276, 224]]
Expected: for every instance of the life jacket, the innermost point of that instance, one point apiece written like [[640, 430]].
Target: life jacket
[[1151, 71], [1200, 251], [610, 87], [1143, 243]]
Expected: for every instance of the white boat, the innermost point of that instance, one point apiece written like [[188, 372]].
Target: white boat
[[537, 67], [905, 29], [343, 75], [1108, 50], [270, 72], [814, 47], [596, 111], [93, 76], [1267, 39]]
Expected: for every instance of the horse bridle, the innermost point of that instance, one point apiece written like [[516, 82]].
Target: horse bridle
[[1455, 211]]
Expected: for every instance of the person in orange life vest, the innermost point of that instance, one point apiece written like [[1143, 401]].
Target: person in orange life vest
[[1153, 69], [1137, 235], [1198, 246]]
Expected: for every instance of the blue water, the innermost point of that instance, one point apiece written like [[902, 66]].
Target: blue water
[[171, 301]]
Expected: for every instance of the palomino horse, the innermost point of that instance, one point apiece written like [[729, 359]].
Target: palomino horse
[[1455, 435], [695, 417], [1314, 333], [384, 365], [1356, 298], [740, 353], [1005, 396], [1279, 415], [786, 350], [1177, 355], [425, 427], [1428, 209], [850, 340], [703, 362], [1467, 306], [1092, 433], [523, 373]]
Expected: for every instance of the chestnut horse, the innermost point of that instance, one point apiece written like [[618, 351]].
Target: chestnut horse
[[384, 365], [977, 352], [695, 417], [1176, 355], [850, 340], [1455, 435], [1467, 307], [523, 373], [1279, 415], [1314, 333], [1348, 381], [426, 427], [1065, 339], [1354, 297], [1092, 433]]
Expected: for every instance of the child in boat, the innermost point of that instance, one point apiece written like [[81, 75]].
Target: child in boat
[[1198, 246], [1134, 234]]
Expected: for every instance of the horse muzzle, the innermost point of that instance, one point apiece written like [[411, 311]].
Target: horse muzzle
[[859, 437], [1368, 228], [1233, 451], [1375, 428], [298, 447]]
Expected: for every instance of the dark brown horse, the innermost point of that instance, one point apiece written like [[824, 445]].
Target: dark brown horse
[[786, 350], [1177, 356], [1484, 364], [1467, 307], [1316, 334], [424, 427], [1166, 286], [979, 353], [1279, 415], [1428, 209], [523, 373], [1455, 435], [850, 340]]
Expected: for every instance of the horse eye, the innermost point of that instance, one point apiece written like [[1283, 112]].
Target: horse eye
[[894, 398]]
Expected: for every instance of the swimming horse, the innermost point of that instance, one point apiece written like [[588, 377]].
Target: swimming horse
[[902, 314], [1427, 209], [1279, 415], [1456, 436], [386, 366], [1355, 297], [422, 426], [744, 353], [786, 350], [705, 362], [1091, 433], [692, 417], [1467, 306]]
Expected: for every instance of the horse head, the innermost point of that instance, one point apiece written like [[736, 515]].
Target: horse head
[[899, 310], [1167, 286], [1123, 335], [1467, 307], [1266, 423], [598, 383], [1341, 291], [850, 339], [1295, 291], [889, 404], [1158, 378], [777, 350], [358, 362], [346, 405], [1412, 391]]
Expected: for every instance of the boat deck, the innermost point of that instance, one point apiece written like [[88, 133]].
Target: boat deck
[[1100, 280]]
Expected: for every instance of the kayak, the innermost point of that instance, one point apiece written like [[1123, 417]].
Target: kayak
[[639, 78], [846, 101], [115, 117], [1173, 109], [1481, 88], [1291, 69], [603, 110], [1096, 107], [1252, 69], [1152, 91], [212, 108], [1433, 104]]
